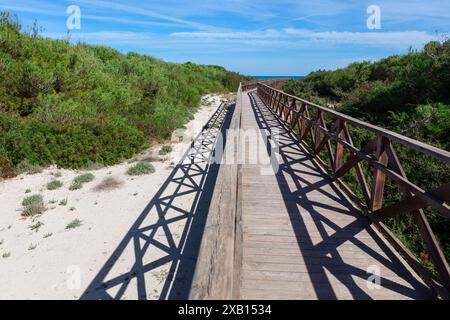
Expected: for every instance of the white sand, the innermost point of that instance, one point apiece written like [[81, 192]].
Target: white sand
[[51, 269]]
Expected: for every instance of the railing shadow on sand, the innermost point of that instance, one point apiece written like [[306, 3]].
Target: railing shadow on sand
[[156, 259]]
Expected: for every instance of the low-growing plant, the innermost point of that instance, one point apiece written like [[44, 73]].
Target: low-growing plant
[[53, 201], [75, 186], [6, 254], [47, 235], [32, 247], [78, 182], [53, 185], [36, 226], [74, 224], [63, 202], [33, 205], [165, 150], [57, 174], [93, 165], [25, 166], [36, 198], [72, 208], [28, 191], [141, 168], [84, 178]]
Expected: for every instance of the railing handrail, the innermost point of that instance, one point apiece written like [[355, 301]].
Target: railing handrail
[[273, 82], [415, 144]]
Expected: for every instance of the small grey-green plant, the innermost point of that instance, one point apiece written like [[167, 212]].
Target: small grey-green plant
[[72, 208], [2, 241], [53, 185], [47, 235], [29, 168], [33, 205], [165, 150], [63, 202], [75, 186], [84, 178], [36, 226], [74, 224], [58, 174], [141, 168], [32, 199], [32, 246], [53, 201], [78, 182], [93, 165], [6, 254], [28, 191]]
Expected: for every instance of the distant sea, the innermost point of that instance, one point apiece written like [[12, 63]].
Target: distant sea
[[276, 77]]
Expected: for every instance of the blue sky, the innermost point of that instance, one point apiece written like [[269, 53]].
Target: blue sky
[[255, 37]]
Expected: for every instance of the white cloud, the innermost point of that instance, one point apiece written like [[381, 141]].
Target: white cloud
[[146, 13], [291, 37]]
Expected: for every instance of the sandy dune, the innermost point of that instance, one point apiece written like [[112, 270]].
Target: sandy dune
[[58, 263]]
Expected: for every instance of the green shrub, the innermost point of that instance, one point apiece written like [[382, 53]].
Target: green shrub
[[140, 169], [84, 178], [74, 224], [78, 105], [165, 150], [53, 185]]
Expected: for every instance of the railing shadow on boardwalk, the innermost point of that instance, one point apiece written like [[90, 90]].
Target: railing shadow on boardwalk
[[325, 256], [180, 205]]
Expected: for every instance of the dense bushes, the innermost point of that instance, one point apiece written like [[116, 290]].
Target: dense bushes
[[409, 94], [76, 104]]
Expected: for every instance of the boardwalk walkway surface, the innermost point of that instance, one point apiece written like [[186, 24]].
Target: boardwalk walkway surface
[[301, 238]]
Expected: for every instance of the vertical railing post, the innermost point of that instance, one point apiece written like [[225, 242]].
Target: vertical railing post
[[379, 177], [317, 131], [339, 155], [294, 114], [303, 121]]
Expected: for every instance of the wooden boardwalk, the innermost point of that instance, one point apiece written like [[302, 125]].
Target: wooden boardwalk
[[300, 236]]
